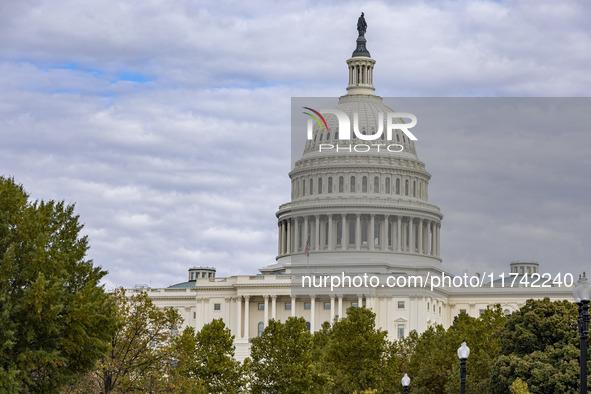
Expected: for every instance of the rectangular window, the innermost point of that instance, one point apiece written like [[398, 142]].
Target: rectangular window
[[400, 331], [462, 311], [261, 306], [354, 304], [307, 305], [440, 310], [327, 305], [217, 307], [481, 311], [194, 315], [400, 304], [288, 306]]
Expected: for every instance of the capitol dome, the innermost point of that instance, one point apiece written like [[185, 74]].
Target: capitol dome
[[358, 206]]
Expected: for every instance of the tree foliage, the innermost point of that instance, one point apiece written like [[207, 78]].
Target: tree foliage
[[141, 347], [56, 318], [281, 359], [355, 353], [539, 345], [432, 359], [204, 361]]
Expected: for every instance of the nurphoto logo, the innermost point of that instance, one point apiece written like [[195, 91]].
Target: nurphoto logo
[[393, 122]]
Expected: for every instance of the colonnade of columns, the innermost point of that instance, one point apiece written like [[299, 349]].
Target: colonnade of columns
[[333, 232], [244, 318], [361, 72], [242, 324]]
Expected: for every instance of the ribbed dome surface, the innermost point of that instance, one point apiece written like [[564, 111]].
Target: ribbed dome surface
[[368, 109]]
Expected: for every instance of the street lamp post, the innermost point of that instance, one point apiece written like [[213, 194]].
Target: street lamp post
[[463, 353], [405, 383], [582, 296]]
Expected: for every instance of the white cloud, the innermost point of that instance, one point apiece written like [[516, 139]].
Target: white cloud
[[167, 123]]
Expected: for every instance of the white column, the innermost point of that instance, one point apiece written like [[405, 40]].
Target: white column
[[432, 238], [312, 315], [283, 237], [384, 234], [344, 230], [239, 317], [288, 236], [266, 310], [306, 235], [274, 307], [358, 231], [246, 316], [340, 314], [293, 306], [420, 236], [279, 238], [398, 233], [330, 233], [332, 306], [438, 231], [359, 301], [411, 238], [370, 233], [317, 232], [296, 223]]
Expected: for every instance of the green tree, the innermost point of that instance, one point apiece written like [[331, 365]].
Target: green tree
[[281, 359], [355, 353], [204, 361], [56, 318], [433, 364], [141, 347], [540, 345], [519, 387]]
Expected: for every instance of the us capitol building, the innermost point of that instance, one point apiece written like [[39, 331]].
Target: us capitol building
[[351, 212]]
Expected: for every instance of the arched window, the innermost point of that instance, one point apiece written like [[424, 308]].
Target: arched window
[[319, 185], [320, 136], [341, 184], [308, 325], [328, 136], [364, 184], [397, 186], [352, 185], [376, 184], [330, 184], [388, 185], [312, 186], [507, 312], [261, 328], [405, 188]]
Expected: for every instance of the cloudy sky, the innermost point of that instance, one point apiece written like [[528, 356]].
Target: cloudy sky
[[167, 123]]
